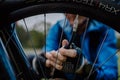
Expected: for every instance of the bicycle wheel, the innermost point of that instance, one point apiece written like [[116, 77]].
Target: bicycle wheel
[[108, 12]]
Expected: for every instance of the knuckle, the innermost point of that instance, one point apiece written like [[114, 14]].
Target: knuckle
[[50, 57], [55, 54], [52, 63], [59, 62], [74, 53], [59, 67], [61, 50], [56, 65], [48, 63], [63, 58]]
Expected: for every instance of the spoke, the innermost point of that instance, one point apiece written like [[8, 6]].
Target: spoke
[[84, 34], [64, 25], [45, 28], [34, 48], [45, 31], [106, 60], [98, 53], [10, 36], [19, 72], [13, 59]]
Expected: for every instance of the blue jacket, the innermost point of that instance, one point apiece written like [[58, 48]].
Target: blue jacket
[[94, 38]]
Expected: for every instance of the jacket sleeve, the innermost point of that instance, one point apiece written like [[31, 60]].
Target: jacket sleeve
[[109, 69], [52, 39]]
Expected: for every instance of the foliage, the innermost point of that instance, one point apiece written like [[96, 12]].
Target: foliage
[[38, 39], [33, 38], [22, 35]]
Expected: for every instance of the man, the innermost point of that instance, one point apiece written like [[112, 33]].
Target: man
[[96, 40]]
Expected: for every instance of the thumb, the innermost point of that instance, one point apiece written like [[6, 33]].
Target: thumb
[[65, 42]]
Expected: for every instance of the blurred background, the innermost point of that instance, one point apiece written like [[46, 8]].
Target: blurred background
[[37, 32]]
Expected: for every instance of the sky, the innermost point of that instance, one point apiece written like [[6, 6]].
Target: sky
[[52, 18]]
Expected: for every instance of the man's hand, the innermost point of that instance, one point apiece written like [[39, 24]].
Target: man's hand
[[57, 58]]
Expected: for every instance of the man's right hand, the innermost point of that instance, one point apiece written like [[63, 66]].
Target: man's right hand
[[57, 58]]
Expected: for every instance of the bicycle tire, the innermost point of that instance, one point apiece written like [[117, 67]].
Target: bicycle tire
[[17, 9], [107, 12]]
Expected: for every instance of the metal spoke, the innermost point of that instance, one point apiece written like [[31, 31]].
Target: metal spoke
[[34, 48], [84, 34], [64, 25], [106, 60], [10, 38], [98, 53]]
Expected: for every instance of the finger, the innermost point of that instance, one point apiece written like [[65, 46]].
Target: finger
[[48, 64], [65, 42], [57, 66], [68, 52], [58, 59], [58, 62], [58, 56], [48, 55]]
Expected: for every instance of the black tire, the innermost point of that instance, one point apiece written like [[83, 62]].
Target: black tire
[[107, 12]]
